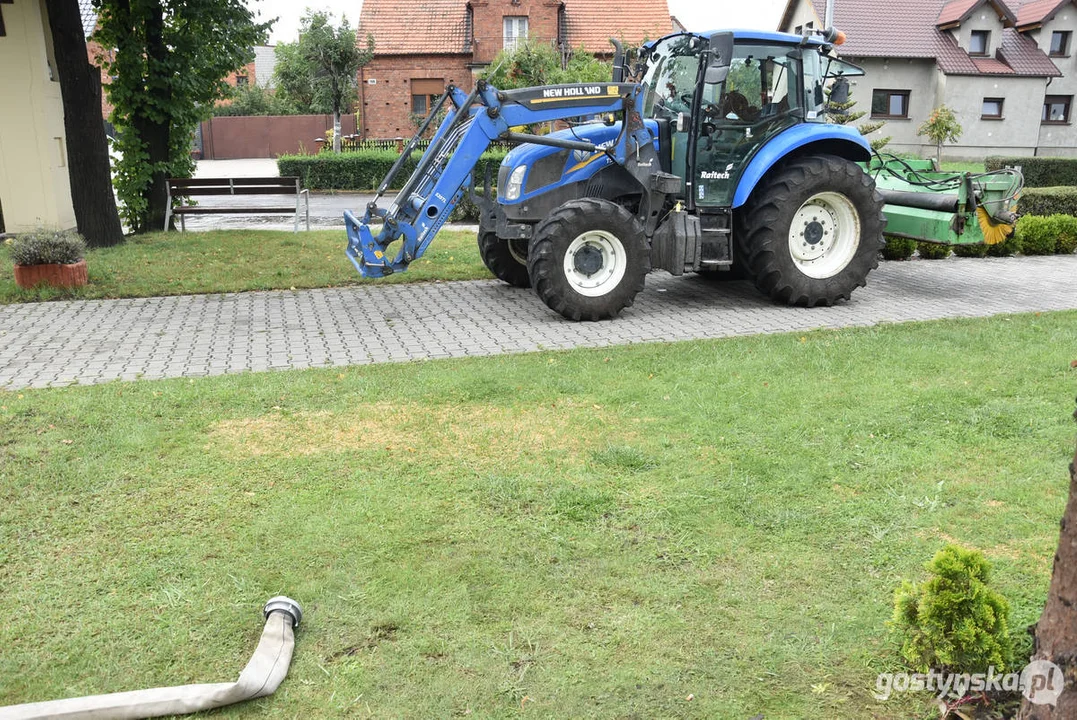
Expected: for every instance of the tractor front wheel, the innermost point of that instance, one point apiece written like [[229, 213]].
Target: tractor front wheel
[[813, 231], [506, 259], [588, 259]]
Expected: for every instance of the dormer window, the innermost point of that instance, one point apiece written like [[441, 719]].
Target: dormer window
[[978, 42], [1060, 43]]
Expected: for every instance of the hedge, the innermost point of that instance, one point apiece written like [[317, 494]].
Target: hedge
[[363, 169], [1048, 201], [1047, 235], [1039, 172]]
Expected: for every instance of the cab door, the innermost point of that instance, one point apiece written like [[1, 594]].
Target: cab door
[[760, 97]]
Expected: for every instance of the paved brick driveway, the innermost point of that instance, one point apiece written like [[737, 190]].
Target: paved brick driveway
[[96, 341]]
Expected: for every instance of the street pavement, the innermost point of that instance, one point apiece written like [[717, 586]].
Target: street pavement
[[61, 343]]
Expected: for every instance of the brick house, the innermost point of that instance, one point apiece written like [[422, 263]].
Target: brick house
[[423, 45], [1005, 67]]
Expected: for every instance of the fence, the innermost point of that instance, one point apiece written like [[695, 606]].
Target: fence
[[230, 138]]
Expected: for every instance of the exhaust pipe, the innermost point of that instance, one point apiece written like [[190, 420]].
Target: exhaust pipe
[[262, 676]]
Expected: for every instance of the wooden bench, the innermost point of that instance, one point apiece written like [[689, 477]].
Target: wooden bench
[[217, 187]]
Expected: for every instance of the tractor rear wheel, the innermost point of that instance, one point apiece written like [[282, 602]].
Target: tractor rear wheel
[[588, 259], [813, 231], [506, 259]]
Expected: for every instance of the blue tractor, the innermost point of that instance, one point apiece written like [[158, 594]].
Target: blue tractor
[[717, 160]]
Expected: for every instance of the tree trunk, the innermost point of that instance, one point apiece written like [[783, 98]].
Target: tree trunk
[[156, 133], [87, 148], [1056, 631], [336, 131]]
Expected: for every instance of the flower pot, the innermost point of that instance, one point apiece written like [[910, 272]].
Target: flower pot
[[73, 275]]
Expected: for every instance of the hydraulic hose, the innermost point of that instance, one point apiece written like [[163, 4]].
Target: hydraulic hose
[[262, 675]]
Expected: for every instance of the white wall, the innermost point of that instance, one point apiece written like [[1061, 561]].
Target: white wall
[[34, 185]]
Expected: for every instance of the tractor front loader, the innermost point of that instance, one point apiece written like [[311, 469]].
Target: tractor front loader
[[718, 160]]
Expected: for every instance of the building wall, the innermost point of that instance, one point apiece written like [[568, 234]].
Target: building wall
[[919, 77], [385, 89], [488, 23], [1018, 131], [803, 14], [1060, 140], [34, 185]]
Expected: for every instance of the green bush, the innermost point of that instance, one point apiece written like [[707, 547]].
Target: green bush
[[898, 248], [1048, 201], [1038, 235], [933, 251], [971, 251], [48, 247], [362, 169], [954, 622], [1039, 172], [1067, 234], [1006, 248], [1047, 235]]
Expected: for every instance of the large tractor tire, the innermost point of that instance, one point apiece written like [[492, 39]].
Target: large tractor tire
[[506, 259], [812, 231], [588, 259]]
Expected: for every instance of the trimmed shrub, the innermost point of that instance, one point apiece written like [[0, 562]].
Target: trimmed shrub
[[1067, 234], [954, 622], [898, 248], [1038, 235], [363, 169], [971, 251], [1006, 248], [1039, 172], [48, 247], [932, 251], [1048, 201]]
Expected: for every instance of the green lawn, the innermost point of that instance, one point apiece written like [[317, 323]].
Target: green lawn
[[238, 260], [596, 533]]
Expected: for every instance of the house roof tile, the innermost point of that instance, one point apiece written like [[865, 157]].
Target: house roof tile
[[1037, 11], [955, 11], [89, 17], [428, 27], [908, 30], [591, 23]]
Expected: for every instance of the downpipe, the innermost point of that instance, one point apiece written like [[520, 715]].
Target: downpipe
[[262, 676]]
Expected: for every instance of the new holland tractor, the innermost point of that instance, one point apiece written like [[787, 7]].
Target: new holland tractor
[[718, 160]]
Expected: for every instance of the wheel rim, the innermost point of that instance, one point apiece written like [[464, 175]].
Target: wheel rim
[[518, 250], [595, 263], [824, 235]]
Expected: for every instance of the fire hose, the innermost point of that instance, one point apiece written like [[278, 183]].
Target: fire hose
[[262, 675]]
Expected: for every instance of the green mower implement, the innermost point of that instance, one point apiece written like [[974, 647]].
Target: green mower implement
[[946, 208]]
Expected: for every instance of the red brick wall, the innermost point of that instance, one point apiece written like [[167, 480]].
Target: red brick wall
[[488, 23], [94, 51], [386, 104], [228, 138]]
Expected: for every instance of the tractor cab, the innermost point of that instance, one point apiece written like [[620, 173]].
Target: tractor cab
[[718, 99]]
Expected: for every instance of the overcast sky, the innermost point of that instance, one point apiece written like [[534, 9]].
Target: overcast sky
[[695, 14]]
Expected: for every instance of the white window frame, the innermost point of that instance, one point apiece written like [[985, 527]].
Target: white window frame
[[515, 28]]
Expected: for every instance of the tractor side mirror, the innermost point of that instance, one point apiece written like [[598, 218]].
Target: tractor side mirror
[[839, 91], [721, 57]]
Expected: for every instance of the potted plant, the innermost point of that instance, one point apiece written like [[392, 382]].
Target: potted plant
[[51, 257]]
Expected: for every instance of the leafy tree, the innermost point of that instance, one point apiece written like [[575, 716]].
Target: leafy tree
[[532, 64], [169, 65], [253, 100], [319, 72], [941, 127], [843, 114], [87, 148]]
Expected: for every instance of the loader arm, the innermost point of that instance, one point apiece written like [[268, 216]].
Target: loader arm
[[443, 174]]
